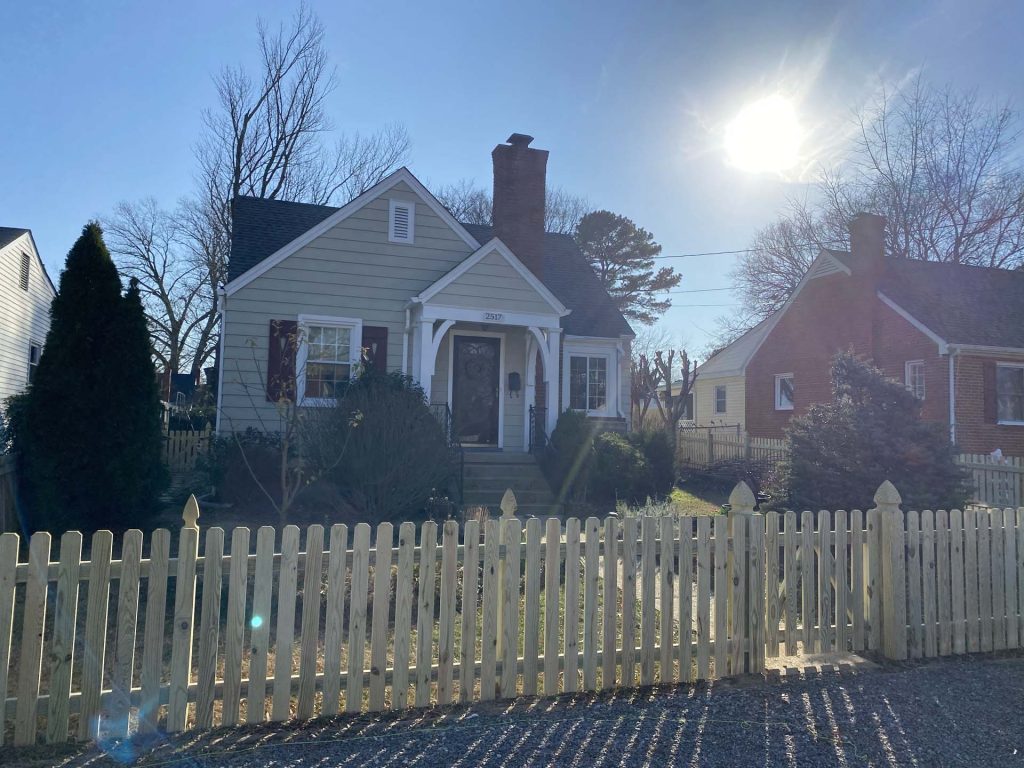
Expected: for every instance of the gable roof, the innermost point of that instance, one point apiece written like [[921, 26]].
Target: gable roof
[[266, 258], [494, 245], [573, 281], [732, 359], [10, 234], [962, 305], [264, 227]]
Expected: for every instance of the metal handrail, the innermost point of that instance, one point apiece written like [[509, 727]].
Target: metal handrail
[[538, 430], [443, 414]]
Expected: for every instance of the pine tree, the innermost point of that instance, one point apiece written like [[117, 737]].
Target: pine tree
[[622, 254], [82, 437]]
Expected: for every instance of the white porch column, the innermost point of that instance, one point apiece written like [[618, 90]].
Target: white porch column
[[423, 353], [554, 337]]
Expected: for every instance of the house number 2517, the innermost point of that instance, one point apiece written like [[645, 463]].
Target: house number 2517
[[494, 316]]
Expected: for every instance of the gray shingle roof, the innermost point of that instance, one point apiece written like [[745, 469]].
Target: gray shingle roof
[[262, 227], [963, 305], [10, 234]]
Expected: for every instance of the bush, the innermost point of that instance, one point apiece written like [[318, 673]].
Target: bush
[[661, 463], [569, 456], [871, 431], [396, 455], [620, 471]]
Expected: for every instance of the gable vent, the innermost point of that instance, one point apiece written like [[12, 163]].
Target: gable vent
[[26, 263], [401, 221]]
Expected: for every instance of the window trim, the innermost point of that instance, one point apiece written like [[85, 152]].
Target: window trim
[[355, 324], [32, 344], [909, 384], [725, 399], [608, 392], [573, 346], [1006, 422], [394, 203], [778, 391]]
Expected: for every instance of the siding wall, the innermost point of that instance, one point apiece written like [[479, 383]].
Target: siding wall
[[351, 271], [493, 280], [975, 434], [704, 401], [24, 315]]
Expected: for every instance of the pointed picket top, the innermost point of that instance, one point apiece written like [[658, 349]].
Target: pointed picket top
[[887, 496], [191, 512], [742, 499], [508, 505]]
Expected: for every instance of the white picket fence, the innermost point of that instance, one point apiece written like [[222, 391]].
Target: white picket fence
[[351, 622]]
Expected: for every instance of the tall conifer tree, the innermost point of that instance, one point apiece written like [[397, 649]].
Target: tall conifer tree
[[88, 442]]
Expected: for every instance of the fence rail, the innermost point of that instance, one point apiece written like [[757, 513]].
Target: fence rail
[[182, 448], [998, 482], [279, 625], [704, 448]]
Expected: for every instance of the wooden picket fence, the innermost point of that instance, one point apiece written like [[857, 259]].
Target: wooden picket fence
[[703, 448], [8, 492], [182, 448], [182, 639], [998, 482]]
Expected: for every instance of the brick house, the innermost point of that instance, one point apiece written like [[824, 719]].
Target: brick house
[[953, 334]]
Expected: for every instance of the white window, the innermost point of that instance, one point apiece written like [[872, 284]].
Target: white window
[[721, 399], [784, 392], [1010, 393], [914, 378], [588, 383], [34, 352], [401, 221], [329, 350]]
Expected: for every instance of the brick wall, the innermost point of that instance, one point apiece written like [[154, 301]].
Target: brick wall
[[975, 433], [818, 324], [815, 328]]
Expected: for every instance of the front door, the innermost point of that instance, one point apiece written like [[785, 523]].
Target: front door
[[476, 370]]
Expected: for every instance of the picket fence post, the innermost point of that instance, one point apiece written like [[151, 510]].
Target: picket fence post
[[894, 576], [747, 581]]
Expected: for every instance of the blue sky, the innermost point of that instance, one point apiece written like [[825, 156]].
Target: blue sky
[[102, 101]]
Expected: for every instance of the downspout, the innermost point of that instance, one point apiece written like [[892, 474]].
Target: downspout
[[405, 341], [952, 397], [222, 305]]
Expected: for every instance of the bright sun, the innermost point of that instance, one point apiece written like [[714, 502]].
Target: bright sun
[[765, 136]]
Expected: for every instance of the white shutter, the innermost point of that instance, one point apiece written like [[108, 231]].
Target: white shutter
[[401, 221]]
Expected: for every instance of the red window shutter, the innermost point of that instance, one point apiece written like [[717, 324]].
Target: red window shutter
[[375, 347], [282, 347], [988, 377]]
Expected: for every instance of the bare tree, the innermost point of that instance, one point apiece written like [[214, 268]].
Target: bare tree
[[472, 204], [149, 246], [643, 386], [269, 136], [675, 396], [944, 168]]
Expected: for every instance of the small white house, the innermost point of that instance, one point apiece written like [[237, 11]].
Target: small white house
[[25, 296]]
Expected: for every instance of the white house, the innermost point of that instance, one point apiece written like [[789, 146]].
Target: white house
[[25, 295], [490, 320]]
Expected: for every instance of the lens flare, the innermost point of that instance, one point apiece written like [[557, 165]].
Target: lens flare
[[765, 137], [257, 622]]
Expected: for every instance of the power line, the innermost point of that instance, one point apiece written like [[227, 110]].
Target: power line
[[704, 290]]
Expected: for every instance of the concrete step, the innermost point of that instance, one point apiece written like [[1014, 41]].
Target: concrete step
[[502, 473], [497, 457], [486, 484], [493, 498]]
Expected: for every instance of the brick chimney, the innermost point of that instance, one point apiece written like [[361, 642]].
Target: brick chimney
[[867, 243], [520, 174]]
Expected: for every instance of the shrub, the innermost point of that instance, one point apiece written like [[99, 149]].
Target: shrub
[[620, 470], [871, 431], [568, 459], [396, 457], [657, 450]]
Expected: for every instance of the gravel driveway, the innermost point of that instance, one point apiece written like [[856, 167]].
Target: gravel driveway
[[952, 712]]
